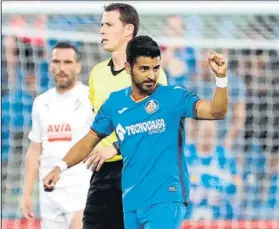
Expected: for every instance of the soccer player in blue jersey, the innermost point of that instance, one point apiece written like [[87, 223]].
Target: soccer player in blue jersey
[[147, 120]]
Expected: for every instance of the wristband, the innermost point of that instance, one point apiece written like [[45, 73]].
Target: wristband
[[117, 147], [62, 165], [221, 82]]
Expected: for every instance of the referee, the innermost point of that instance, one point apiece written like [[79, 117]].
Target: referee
[[120, 23]]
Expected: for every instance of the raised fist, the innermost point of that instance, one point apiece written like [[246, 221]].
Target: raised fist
[[218, 64]]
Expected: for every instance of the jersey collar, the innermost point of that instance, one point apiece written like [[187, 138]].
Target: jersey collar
[[70, 92], [110, 64], [137, 100]]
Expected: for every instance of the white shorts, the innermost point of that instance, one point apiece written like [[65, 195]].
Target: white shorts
[[56, 204], [50, 224]]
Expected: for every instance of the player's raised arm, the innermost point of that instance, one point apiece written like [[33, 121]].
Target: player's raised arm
[[218, 106]]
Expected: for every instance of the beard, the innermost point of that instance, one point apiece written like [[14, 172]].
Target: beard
[[144, 87], [64, 84]]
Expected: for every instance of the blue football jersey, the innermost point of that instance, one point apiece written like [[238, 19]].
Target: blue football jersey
[[149, 134]]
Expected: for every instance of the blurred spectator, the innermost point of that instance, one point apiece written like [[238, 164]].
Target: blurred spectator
[[203, 84], [272, 193], [44, 80], [262, 123], [16, 115], [16, 123], [254, 176], [31, 47], [178, 61], [260, 189], [215, 183], [18, 97], [37, 22], [10, 70], [19, 60]]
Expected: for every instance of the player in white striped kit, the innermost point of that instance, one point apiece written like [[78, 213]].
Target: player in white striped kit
[[60, 117]]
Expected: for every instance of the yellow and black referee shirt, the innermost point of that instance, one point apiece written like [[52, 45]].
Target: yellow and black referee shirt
[[102, 81]]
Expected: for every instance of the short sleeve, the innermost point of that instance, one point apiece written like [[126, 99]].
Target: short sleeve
[[187, 102], [102, 124], [35, 133]]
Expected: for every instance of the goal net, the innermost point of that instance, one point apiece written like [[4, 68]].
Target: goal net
[[235, 183]]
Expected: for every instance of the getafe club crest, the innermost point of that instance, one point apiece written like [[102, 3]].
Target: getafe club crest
[[151, 106]]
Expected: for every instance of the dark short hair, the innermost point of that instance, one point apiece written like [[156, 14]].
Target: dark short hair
[[128, 14], [142, 46], [66, 45]]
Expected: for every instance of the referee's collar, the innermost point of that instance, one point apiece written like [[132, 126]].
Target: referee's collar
[[110, 64]]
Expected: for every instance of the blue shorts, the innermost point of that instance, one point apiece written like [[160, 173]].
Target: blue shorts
[[168, 215]]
